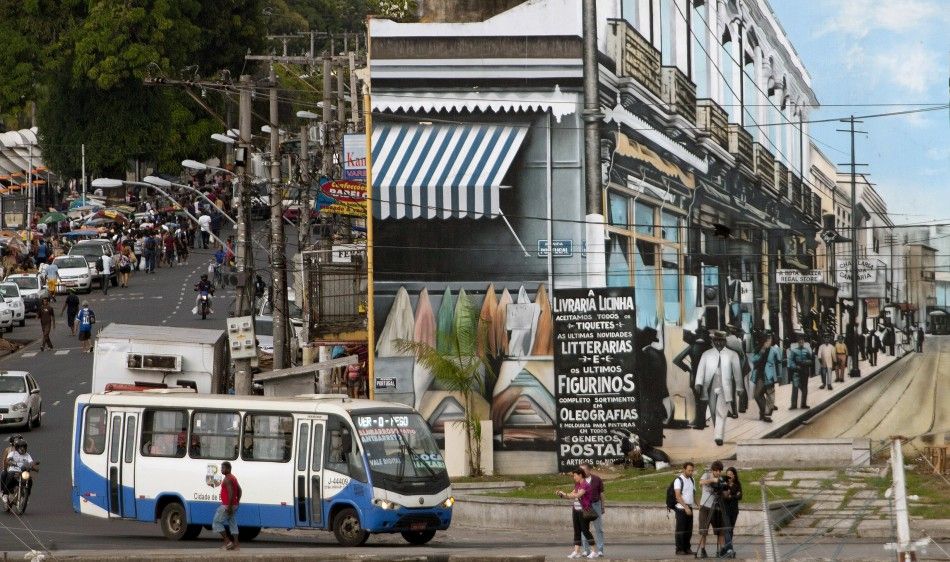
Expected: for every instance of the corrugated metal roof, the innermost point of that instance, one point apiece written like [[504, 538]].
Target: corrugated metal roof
[[166, 334]]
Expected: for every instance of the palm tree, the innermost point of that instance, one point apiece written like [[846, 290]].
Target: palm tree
[[460, 370]]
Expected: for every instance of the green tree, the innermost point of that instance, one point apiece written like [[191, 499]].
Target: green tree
[[462, 371]]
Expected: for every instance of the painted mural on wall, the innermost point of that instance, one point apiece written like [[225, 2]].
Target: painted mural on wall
[[517, 343]]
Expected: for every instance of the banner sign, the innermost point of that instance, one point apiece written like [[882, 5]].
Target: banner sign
[[867, 271], [596, 394], [810, 277], [348, 197], [354, 157]]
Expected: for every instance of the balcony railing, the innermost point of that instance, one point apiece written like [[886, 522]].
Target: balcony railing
[[800, 196], [816, 207], [679, 93], [740, 145], [781, 184], [713, 121], [764, 166], [635, 56]]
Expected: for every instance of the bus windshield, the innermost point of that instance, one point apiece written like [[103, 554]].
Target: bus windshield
[[399, 445]]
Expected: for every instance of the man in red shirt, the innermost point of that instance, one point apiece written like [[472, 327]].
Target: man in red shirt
[[225, 521]]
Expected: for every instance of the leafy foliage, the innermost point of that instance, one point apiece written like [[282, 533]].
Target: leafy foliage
[[84, 62], [461, 371]]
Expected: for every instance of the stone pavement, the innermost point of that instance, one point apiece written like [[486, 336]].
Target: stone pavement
[[699, 445]]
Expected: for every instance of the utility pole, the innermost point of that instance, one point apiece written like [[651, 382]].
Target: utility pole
[[278, 258], [242, 367], [905, 548], [30, 197], [853, 320], [83, 164], [595, 229]]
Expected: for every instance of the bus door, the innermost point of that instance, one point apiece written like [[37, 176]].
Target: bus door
[[123, 433], [308, 481]]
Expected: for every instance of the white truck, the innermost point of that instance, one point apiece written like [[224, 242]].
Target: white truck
[[128, 355]]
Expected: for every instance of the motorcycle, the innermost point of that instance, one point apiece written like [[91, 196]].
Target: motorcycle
[[19, 496], [204, 304]]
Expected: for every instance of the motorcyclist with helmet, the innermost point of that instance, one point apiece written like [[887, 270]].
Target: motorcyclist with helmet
[[15, 462], [205, 286]]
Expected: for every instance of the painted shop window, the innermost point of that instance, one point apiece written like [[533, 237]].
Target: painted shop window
[[644, 218], [618, 264], [700, 50], [618, 210]]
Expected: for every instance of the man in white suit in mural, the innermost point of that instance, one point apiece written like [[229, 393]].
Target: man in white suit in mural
[[718, 375]]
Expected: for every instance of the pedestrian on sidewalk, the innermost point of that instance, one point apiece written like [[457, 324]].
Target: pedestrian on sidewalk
[[874, 345], [841, 353], [684, 490], [920, 339], [731, 496], [710, 508], [890, 340], [826, 362], [800, 360], [580, 497], [596, 485], [86, 318], [763, 376], [70, 310], [47, 322], [718, 375], [104, 264], [740, 399], [225, 520]]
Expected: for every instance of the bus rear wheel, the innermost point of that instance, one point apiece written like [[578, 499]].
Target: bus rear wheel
[[246, 534], [174, 522], [347, 528], [418, 537]]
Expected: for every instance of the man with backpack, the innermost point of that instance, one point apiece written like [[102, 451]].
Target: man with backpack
[[681, 498]]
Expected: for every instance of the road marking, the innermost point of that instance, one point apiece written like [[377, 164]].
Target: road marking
[[70, 391], [56, 403], [62, 352], [29, 354]]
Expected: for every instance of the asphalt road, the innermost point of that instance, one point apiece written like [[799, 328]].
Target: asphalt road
[[911, 398]]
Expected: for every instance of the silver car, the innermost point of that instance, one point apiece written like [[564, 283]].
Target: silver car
[[20, 401]]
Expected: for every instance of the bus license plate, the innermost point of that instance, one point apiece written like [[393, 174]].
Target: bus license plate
[[417, 526]]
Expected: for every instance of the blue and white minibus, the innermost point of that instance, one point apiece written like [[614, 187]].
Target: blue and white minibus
[[353, 467]]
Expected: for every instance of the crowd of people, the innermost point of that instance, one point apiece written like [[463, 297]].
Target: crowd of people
[[723, 374]]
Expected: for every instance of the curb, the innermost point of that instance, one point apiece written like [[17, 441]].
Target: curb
[[284, 554], [793, 424]]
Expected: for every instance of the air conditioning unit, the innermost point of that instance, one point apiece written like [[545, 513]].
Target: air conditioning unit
[[153, 362]]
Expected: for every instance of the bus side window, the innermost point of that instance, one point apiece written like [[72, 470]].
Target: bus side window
[[267, 437], [342, 452], [164, 433], [94, 431]]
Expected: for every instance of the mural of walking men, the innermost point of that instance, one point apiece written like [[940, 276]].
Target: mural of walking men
[[688, 360], [717, 377]]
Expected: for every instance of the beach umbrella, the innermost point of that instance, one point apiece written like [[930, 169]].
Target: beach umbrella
[[51, 217]]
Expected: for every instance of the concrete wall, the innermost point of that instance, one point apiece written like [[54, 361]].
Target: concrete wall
[[803, 453], [622, 518], [450, 11]]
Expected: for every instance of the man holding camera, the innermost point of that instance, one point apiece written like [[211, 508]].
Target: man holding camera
[[710, 507]]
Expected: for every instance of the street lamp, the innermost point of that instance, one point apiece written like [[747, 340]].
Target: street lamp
[[112, 182], [224, 138]]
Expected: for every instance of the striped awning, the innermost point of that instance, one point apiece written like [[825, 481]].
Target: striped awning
[[441, 171]]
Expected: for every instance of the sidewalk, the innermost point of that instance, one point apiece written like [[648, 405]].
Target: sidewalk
[[699, 445]]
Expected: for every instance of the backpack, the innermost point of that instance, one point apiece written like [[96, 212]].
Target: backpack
[[671, 494], [99, 265]]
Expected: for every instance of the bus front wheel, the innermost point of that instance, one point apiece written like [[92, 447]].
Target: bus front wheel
[[347, 528], [246, 534], [418, 537], [174, 522]]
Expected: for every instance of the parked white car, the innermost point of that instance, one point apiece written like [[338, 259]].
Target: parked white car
[[32, 289], [73, 273], [6, 316], [20, 400], [11, 295]]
